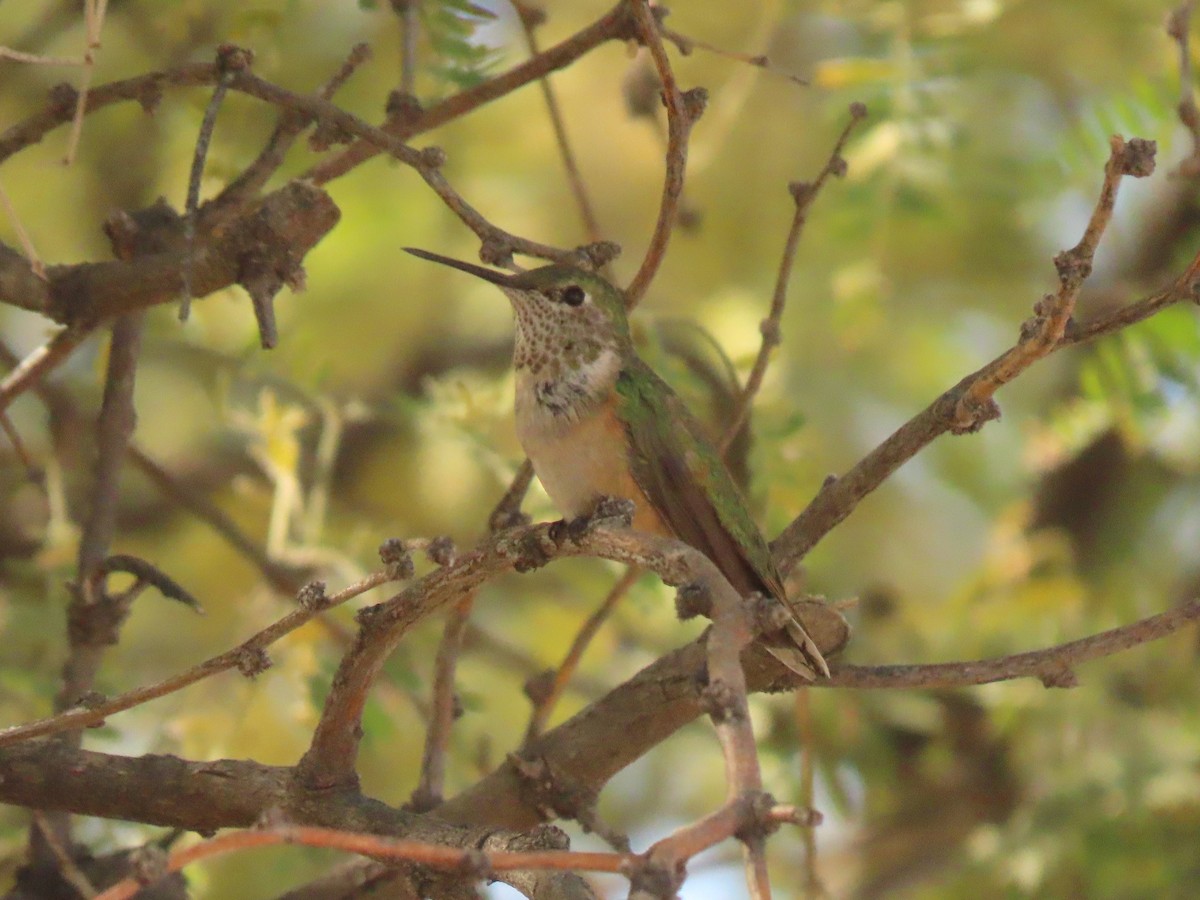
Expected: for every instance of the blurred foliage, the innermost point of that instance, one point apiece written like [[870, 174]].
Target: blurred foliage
[[386, 410]]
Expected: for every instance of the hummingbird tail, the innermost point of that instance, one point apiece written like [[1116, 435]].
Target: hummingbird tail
[[804, 656], [794, 660]]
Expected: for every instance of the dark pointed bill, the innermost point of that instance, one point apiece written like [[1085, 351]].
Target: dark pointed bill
[[500, 278]]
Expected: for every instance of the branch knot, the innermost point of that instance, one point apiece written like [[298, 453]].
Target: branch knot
[[253, 661], [695, 101], [232, 58], [650, 879], [441, 550], [396, 558], [972, 412], [312, 596], [757, 821], [1136, 157], [691, 600], [723, 702]]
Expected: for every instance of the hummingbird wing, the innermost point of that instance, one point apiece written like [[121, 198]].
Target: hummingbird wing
[[686, 482]]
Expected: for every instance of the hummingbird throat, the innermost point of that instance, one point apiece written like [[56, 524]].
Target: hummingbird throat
[[562, 364]]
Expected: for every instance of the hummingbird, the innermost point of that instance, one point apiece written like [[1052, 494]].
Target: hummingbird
[[596, 421]]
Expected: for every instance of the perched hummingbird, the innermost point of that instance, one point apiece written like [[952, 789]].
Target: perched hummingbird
[[596, 421]]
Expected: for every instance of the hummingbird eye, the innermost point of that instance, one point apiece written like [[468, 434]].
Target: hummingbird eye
[[573, 295]]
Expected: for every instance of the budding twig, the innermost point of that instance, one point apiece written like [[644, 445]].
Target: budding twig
[[803, 195]]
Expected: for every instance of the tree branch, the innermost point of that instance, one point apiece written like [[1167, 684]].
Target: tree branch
[[683, 109], [37, 365], [666, 695], [1053, 666], [530, 18], [968, 405], [803, 194], [470, 863], [616, 24], [285, 224], [444, 708], [249, 657]]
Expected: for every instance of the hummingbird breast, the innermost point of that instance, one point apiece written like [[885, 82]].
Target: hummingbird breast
[[578, 445]]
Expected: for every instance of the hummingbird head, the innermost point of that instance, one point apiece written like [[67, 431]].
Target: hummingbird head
[[566, 317]]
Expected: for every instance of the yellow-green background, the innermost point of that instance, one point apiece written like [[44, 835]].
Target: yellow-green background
[[981, 158]]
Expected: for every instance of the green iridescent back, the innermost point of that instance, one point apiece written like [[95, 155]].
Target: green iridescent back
[[683, 476]]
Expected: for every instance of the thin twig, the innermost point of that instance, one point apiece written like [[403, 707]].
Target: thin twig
[[245, 656], [804, 194], [31, 254], [968, 405], [1054, 666], [615, 24], [39, 59], [199, 155], [19, 448], [290, 125], [544, 704], [530, 18], [1042, 335], [807, 732], [408, 12], [93, 15], [443, 708], [498, 244], [145, 89], [68, 869], [682, 112], [507, 512], [114, 427], [686, 44], [34, 367], [1178, 29], [470, 862]]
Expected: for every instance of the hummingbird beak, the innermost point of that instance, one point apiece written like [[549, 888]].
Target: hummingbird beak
[[502, 279]]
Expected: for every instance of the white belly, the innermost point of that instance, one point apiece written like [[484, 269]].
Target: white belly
[[580, 459], [574, 458]]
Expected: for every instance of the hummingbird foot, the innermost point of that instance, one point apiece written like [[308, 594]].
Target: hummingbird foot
[[607, 511], [535, 549]]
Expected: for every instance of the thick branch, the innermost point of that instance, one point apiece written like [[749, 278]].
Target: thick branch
[[206, 796], [330, 760], [287, 223], [198, 796], [666, 695]]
